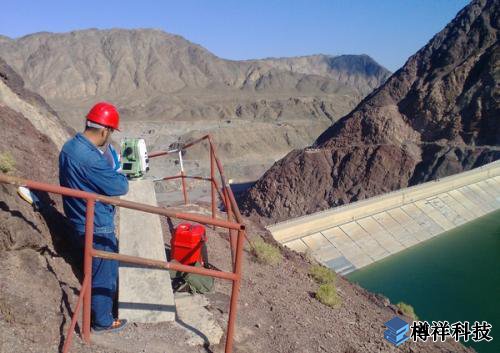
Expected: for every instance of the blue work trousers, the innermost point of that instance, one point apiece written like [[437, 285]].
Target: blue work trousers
[[104, 279]]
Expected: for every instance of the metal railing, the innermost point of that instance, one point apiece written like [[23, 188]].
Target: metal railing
[[234, 224]]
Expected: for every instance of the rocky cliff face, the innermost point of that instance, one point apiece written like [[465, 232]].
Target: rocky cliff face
[[438, 115], [38, 284]]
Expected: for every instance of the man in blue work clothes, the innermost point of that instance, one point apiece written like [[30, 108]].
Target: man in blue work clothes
[[83, 166]]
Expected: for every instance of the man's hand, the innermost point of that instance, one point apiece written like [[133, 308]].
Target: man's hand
[[113, 158]]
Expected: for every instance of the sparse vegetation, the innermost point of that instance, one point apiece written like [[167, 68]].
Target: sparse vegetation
[[407, 310], [327, 291], [266, 253], [7, 162], [322, 274], [327, 294]]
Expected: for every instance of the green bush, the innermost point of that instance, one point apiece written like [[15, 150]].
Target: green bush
[[266, 253], [327, 294], [407, 310], [7, 162], [322, 274]]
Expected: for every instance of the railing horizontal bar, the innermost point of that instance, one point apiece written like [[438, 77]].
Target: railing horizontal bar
[[197, 177], [171, 177], [163, 153], [194, 142], [115, 201], [185, 176], [163, 265]]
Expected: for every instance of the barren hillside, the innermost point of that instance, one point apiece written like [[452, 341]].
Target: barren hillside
[[168, 89]]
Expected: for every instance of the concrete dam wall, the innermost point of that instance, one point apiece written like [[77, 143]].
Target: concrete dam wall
[[350, 237]]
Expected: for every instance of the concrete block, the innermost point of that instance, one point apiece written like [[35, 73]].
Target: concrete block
[[350, 250], [491, 186], [390, 224], [424, 221], [296, 245], [375, 251], [371, 226], [327, 253], [427, 208], [489, 193], [468, 204], [354, 231], [446, 210], [145, 295], [360, 260], [456, 206], [337, 237], [495, 180], [487, 197], [383, 237], [371, 247], [406, 221], [476, 199], [390, 244], [316, 241], [197, 320], [409, 241]]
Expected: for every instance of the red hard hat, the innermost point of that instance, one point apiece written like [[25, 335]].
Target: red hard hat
[[104, 114]]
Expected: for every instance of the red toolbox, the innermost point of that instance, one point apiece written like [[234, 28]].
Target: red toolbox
[[187, 242]]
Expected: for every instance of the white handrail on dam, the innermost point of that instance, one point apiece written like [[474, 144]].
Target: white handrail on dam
[[352, 236]]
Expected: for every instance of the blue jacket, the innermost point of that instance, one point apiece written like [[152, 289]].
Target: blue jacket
[[83, 167]]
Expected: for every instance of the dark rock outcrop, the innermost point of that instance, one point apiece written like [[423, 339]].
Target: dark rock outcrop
[[38, 282], [438, 115]]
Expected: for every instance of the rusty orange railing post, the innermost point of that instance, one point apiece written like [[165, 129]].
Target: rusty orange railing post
[[235, 292], [71, 329], [219, 192], [212, 180], [184, 192], [183, 178], [87, 267], [232, 240]]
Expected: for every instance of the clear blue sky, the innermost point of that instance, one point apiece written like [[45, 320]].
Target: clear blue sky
[[388, 30]]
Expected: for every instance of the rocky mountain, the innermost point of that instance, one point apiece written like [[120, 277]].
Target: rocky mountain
[[438, 115], [40, 270], [359, 71], [127, 63], [159, 75], [168, 89]]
